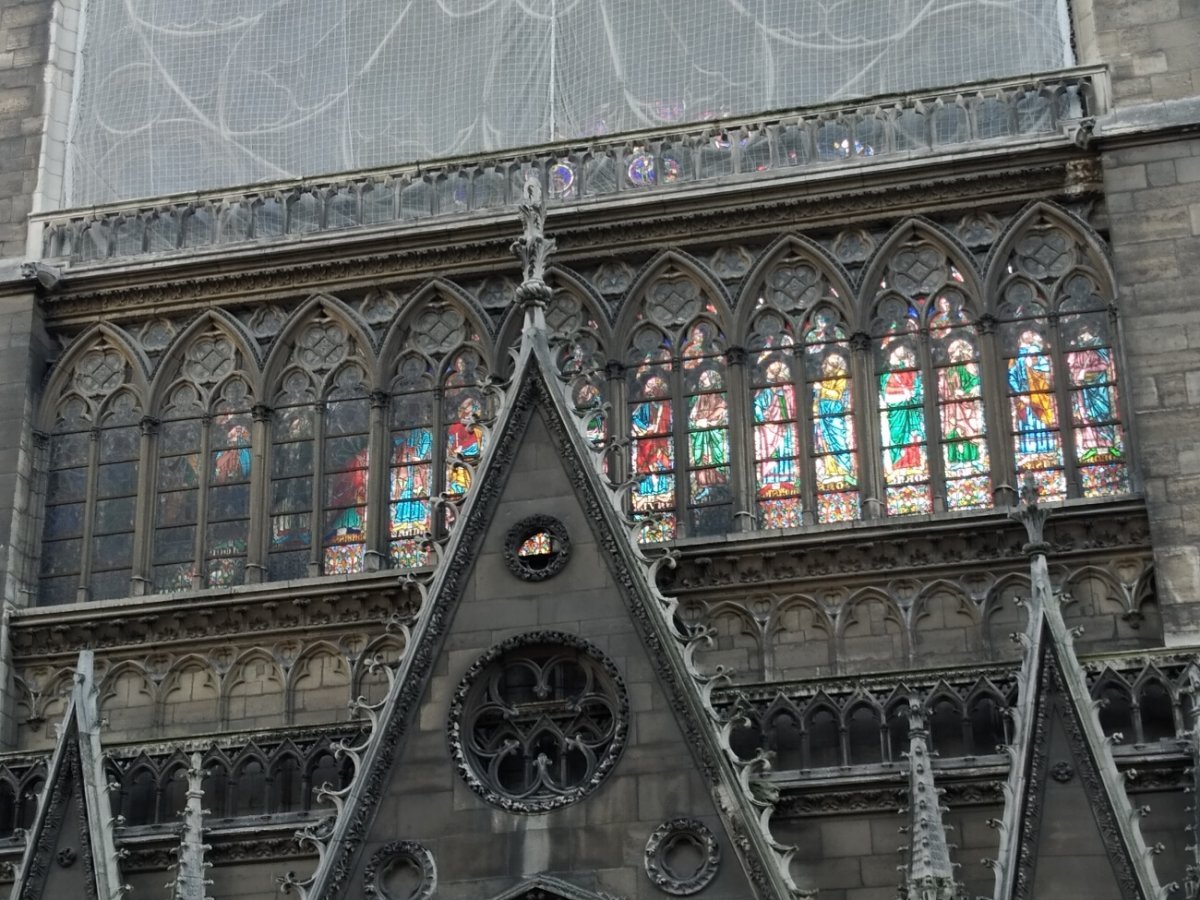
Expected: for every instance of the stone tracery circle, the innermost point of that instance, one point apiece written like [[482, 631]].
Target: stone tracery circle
[[538, 722], [531, 569], [668, 836], [397, 853]]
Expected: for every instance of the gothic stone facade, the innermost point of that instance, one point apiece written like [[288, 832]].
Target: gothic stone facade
[[678, 571]]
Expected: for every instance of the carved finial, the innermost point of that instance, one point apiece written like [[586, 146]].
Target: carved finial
[[1032, 515], [533, 247]]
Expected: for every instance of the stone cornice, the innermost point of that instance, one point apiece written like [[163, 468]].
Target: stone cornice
[[477, 245]]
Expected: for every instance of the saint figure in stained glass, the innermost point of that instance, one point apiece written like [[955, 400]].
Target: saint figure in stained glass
[[347, 495], [707, 417], [410, 482], [1031, 378], [902, 394], [831, 429], [650, 425], [232, 464], [961, 413], [774, 432], [1095, 410], [464, 444]]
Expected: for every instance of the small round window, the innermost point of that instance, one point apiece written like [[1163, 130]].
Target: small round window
[[536, 548], [538, 722]]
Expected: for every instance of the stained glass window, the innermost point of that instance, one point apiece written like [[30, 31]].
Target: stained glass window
[[462, 413], [1099, 444], [581, 363], [777, 462], [320, 455], [539, 544], [805, 446], [955, 350], [652, 446], [202, 491], [710, 500], [345, 461], [932, 422], [411, 469], [91, 498], [834, 447]]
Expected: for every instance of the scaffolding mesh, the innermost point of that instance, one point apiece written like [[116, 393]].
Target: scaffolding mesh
[[182, 95]]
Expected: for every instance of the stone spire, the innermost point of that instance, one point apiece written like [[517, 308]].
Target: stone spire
[[190, 883], [929, 874]]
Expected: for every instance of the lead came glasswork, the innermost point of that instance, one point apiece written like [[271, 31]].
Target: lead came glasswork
[[411, 467]]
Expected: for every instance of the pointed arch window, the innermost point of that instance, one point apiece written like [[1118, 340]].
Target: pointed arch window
[[929, 383], [202, 505], [437, 436], [1058, 348], [677, 363], [319, 456], [805, 440], [91, 501]]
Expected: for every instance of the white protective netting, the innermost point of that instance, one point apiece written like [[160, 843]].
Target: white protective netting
[[182, 95]]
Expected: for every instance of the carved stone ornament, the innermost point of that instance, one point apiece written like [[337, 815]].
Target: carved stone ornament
[[538, 722], [401, 870], [1062, 772], [66, 857], [537, 548], [668, 874]]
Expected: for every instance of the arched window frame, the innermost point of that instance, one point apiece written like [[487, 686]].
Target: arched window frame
[[1051, 283], [681, 402], [96, 440], [923, 303], [321, 397], [211, 458], [436, 422], [797, 329]]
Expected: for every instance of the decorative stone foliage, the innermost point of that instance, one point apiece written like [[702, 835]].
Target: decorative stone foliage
[[538, 722], [537, 548], [403, 866], [667, 864]]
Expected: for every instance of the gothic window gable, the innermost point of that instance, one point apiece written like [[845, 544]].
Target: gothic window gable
[[320, 445], [95, 410], [795, 321]]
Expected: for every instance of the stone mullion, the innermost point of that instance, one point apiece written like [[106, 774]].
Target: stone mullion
[[741, 433], [1124, 410], [376, 557], [199, 543], [872, 494], [438, 465], [933, 424], [260, 488], [89, 520], [1062, 394], [806, 426], [618, 422], [316, 540], [679, 422], [1001, 461], [143, 531]]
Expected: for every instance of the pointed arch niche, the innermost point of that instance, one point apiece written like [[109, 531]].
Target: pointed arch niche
[[95, 445]]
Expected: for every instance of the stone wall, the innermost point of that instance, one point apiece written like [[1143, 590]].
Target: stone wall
[[1154, 207], [24, 43]]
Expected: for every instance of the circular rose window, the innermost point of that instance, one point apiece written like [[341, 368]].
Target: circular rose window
[[538, 722], [536, 548]]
